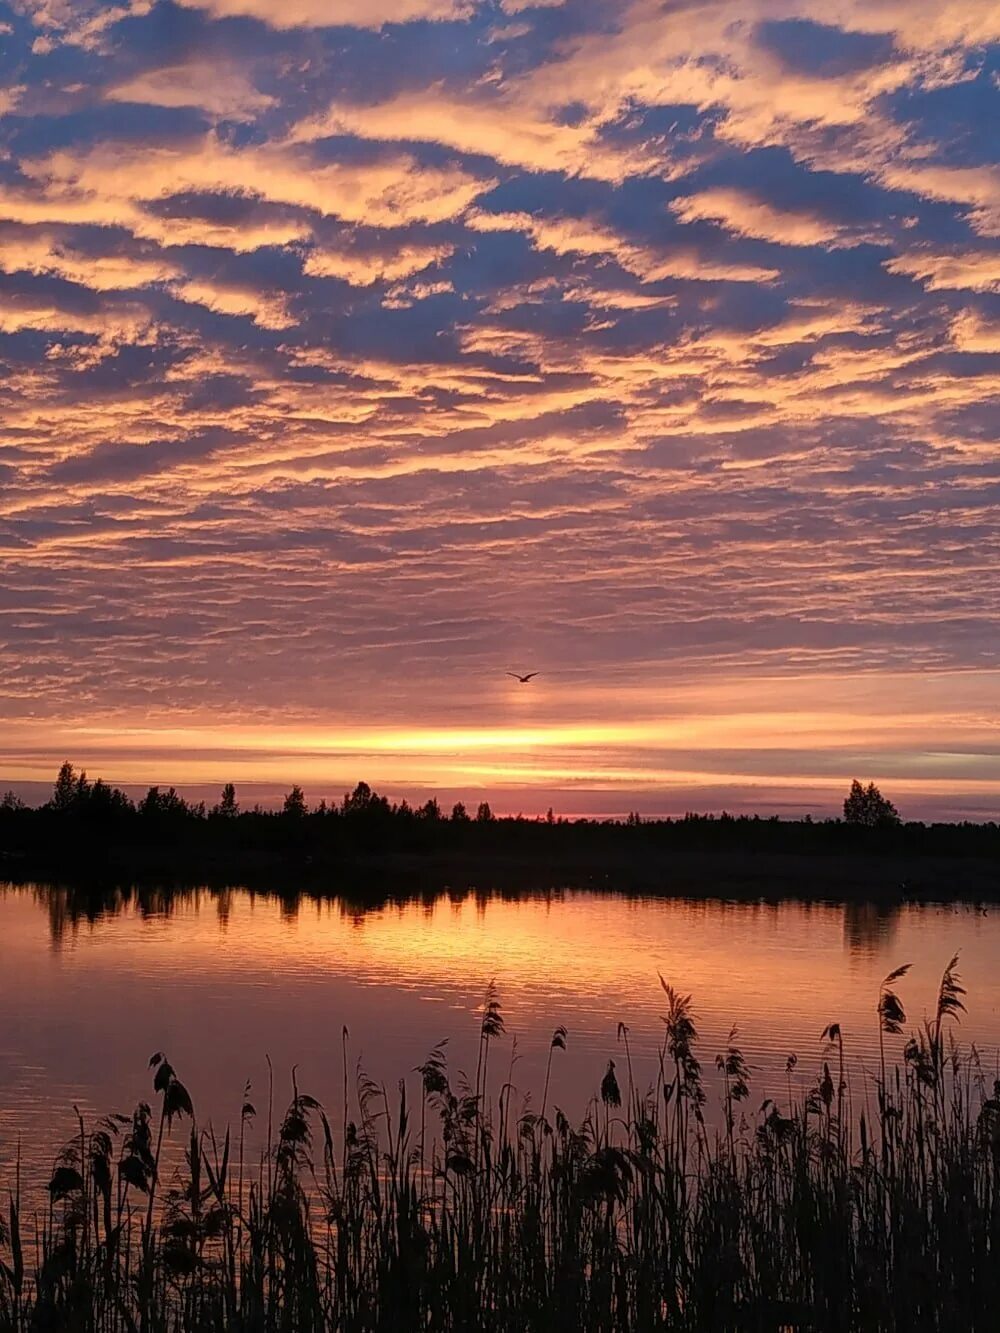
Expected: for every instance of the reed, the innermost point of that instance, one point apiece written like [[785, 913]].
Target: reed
[[461, 1215]]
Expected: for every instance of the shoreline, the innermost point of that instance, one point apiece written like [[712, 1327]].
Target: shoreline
[[842, 876]]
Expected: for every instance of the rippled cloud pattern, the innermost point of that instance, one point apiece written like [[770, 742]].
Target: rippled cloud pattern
[[353, 352]]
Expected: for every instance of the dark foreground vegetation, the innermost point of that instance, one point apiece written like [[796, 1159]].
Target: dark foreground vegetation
[[93, 828], [867, 1207]]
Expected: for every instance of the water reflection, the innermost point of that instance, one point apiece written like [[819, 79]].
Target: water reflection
[[94, 980], [869, 927]]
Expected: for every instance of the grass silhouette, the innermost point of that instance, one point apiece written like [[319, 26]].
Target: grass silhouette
[[441, 1206]]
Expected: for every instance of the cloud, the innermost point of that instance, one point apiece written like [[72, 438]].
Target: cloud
[[35, 309], [584, 236], [9, 98], [269, 310], [223, 220], [112, 184], [974, 332], [741, 212], [655, 346], [491, 125], [519, 6], [333, 13], [919, 24], [82, 23], [363, 267], [976, 188], [213, 87], [973, 270], [41, 252], [404, 295]]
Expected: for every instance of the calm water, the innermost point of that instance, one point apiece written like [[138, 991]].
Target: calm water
[[221, 981]]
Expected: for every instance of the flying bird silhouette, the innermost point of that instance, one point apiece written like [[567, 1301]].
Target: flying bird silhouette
[[523, 679]]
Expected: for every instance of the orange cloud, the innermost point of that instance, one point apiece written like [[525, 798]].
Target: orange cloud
[[110, 184], [740, 212], [584, 236], [972, 332], [267, 309], [362, 268], [333, 13], [113, 327], [977, 188], [219, 89], [46, 253], [972, 270], [493, 125]]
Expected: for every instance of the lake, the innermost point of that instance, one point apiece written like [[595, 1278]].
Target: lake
[[220, 980]]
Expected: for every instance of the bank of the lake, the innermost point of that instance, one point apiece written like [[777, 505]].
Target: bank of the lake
[[884, 874]]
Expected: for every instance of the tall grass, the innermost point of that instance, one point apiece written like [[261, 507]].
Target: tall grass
[[867, 1208]]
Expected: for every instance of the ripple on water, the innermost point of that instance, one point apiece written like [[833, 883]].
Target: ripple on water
[[86, 1003]]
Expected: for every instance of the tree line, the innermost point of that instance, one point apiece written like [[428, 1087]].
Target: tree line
[[90, 823], [75, 795]]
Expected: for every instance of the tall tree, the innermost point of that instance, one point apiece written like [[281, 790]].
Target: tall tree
[[295, 803], [866, 807], [64, 793]]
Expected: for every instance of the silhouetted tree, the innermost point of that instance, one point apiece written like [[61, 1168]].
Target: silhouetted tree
[[102, 800], [150, 803], [866, 807], [366, 805], [65, 791], [88, 819], [295, 803], [74, 793], [166, 804], [228, 807], [358, 801]]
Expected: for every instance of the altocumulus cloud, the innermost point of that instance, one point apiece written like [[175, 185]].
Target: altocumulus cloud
[[352, 352]]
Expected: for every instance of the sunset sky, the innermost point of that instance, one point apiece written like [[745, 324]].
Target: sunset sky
[[652, 346]]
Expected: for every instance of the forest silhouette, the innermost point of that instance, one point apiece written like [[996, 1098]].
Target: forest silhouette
[[91, 826]]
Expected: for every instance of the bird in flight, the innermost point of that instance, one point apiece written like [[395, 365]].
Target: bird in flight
[[523, 679]]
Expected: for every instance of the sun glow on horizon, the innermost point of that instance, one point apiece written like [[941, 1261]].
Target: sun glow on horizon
[[697, 743]]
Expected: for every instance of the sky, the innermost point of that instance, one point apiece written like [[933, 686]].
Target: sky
[[356, 352]]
